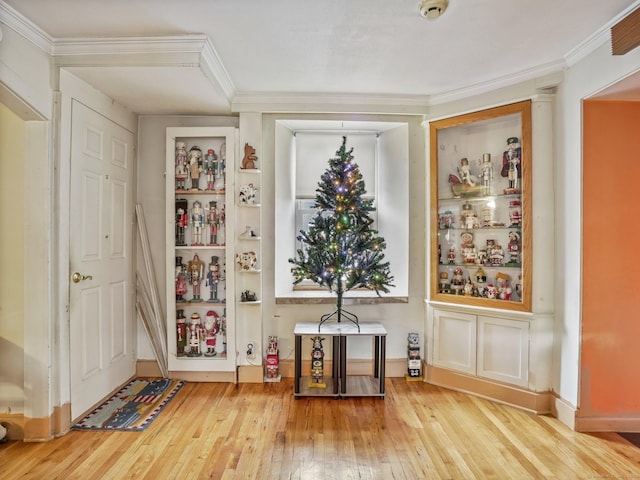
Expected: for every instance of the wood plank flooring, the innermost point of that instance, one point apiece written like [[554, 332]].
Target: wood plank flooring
[[255, 431]]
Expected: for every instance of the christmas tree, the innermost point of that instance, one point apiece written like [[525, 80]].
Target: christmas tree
[[340, 250]]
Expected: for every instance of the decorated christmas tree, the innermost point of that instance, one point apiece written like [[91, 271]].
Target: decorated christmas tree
[[340, 250]]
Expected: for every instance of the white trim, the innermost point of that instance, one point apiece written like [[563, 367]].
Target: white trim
[[595, 40], [25, 27], [213, 68]]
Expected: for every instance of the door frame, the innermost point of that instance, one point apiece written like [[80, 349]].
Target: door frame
[[72, 88]]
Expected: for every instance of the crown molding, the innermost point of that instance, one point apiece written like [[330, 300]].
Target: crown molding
[[329, 103], [600, 36], [25, 27], [214, 69], [544, 76], [128, 45]]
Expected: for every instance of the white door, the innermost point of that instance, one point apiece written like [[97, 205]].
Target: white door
[[101, 247]]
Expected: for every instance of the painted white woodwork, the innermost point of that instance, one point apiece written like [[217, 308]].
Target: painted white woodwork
[[101, 300], [205, 138], [503, 349], [455, 341]]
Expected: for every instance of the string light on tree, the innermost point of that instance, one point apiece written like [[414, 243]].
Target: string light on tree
[[340, 250]]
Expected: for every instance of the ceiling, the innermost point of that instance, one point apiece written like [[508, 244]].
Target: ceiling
[[214, 57]]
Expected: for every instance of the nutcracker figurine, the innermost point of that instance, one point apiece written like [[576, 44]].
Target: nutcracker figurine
[[196, 274], [213, 220], [195, 336], [218, 183], [181, 333], [182, 220], [486, 172], [195, 167], [210, 167], [213, 277], [181, 165], [511, 165], [317, 364], [197, 222], [181, 280]]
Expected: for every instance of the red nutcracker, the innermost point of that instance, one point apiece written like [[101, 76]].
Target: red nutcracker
[[182, 220]]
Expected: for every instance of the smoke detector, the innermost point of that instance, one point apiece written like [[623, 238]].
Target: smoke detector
[[432, 9]]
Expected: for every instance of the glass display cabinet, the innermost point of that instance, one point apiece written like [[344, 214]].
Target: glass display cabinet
[[480, 208]]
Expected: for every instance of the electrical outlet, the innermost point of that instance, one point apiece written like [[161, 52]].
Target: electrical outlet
[[251, 351]]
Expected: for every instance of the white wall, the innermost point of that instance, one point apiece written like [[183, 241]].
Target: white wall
[[585, 78], [12, 274]]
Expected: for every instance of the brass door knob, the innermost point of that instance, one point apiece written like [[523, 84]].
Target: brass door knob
[[77, 277]]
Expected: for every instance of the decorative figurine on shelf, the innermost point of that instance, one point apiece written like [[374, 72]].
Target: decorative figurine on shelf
[[247, 194], [457, 282], [486, 215], [213, 220], [514, 248], [181, 166], [468, 249], [181, 280], [515, 213], [444, 286], [195, 167], [464, 171], [317, 364], [511, 165], [517, 290], [273, 358], [197, 222], [504, 290], [468, 217], [446, 220], [413, 354], [213, 277], [451, 256], [182, 220], [248, 296], [248, 233], [247, 261], [196, 274], [486, 173], [468, 288], [221, 336], [210, 167], [211, 325], [249, 160], [481, 282], [195, 334], [218, 182], [495, 253], [181, 332], [222, 215], [491, 292]]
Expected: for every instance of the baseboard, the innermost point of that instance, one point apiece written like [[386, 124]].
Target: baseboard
[[250, 374], [148, 368], [394, 367], [564, 411], [44, 429], [607, 424], [14, 422], [534, 402]]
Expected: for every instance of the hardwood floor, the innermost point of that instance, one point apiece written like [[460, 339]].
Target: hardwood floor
[[255, 431]]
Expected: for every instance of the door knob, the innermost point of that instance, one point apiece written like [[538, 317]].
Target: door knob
[[77, 277]]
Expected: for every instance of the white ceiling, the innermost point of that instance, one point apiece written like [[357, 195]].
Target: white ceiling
[[382, 51]]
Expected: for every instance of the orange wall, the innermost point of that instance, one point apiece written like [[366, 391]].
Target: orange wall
[[610, 357]]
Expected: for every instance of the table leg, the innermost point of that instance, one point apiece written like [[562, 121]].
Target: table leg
[[298, 364], [343, 364], [335, 369], [383, 355], [376, 355]]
